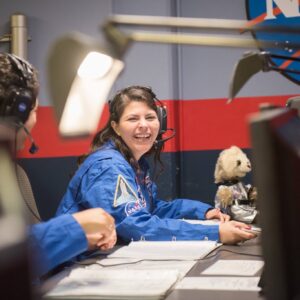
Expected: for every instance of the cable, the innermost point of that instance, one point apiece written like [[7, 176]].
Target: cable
[[234, 252], [20, 185], [141, 260]]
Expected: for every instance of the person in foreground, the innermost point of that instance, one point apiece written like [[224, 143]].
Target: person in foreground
[[62, 238], [115, 176]]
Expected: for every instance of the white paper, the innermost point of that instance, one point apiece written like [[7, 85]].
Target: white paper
[[114, 284], [219, 283], [166, 250], [203, 222], [234, 267]]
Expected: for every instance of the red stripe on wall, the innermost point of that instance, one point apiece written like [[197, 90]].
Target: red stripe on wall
[[213, 124], [200, 124], [50, 143]]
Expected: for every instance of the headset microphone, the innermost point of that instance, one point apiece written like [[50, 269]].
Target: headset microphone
[[167, 138], [33, 148]]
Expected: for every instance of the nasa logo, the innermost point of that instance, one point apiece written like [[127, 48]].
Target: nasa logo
[[133, 206], [282, 13]]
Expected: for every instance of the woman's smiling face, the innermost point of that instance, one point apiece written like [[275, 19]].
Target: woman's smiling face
[[138, 127]]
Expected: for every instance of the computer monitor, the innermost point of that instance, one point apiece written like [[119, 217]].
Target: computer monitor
[[275, 136]]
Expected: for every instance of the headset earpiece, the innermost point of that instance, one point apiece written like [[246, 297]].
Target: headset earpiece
[[162, 118], [20, 105]]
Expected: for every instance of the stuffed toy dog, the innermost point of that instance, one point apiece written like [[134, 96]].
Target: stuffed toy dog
[[233, 196]]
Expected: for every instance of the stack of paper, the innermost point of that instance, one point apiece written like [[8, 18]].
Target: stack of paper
[[238, 275], [203, 222], [164, 250], [234, 267], [114, 284], [219, 283]]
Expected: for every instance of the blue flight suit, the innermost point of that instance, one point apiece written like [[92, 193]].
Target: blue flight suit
[[107, 180], [55, 242]]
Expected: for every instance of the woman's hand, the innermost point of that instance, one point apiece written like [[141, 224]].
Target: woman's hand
[[216, 213], [109, 243], [233, 232], [99, 228]]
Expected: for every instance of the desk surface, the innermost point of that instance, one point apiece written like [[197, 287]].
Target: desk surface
[[251, 247], [238, 252]]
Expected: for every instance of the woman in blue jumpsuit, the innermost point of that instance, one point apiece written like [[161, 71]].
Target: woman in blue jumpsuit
[[59, 239], [55, 242], [115, 176]]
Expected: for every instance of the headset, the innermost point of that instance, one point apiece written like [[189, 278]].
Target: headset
[[162, 116], [21, 100], [161, 111], [17, 107]]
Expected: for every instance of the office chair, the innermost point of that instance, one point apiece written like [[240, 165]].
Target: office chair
[[26, 190]]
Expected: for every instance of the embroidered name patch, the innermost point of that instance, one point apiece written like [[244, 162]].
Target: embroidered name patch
[[124, 193]]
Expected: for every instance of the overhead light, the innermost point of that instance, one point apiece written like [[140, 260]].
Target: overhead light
[[80, 76], [95, 65], [250, 64]]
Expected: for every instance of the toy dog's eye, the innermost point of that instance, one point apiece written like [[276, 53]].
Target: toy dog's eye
[[238, 162]]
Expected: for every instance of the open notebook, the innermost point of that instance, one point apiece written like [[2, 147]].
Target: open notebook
[[166, 250], [138, 282]]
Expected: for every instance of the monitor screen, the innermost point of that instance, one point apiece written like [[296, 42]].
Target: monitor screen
[[275, 136]]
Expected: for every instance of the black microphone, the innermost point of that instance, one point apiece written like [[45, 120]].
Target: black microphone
[[167, 138], [34, 147]]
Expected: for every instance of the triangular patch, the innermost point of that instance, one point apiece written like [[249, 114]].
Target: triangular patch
[[124, 193]]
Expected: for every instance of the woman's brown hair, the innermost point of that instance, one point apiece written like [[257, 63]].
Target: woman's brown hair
[[116, 108]]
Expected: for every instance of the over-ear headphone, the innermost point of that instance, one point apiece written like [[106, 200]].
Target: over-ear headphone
[[161, 111], [21, 100], [162, 116]]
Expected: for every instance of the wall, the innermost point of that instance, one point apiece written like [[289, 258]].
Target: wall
[[193, 81]]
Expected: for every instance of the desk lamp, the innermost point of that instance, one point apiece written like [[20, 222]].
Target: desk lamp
[[252, 63]]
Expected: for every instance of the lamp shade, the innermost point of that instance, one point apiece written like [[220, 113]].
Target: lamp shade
[[245, 68], [80, 76]]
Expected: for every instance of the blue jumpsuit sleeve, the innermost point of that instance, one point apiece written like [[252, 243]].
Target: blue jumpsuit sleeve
[[179, 208], [98, 189], [56, 241], [142, 225]]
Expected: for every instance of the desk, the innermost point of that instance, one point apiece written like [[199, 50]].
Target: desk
[[249, 247]]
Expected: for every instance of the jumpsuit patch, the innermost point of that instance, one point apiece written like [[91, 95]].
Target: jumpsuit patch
[[123, 193]]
